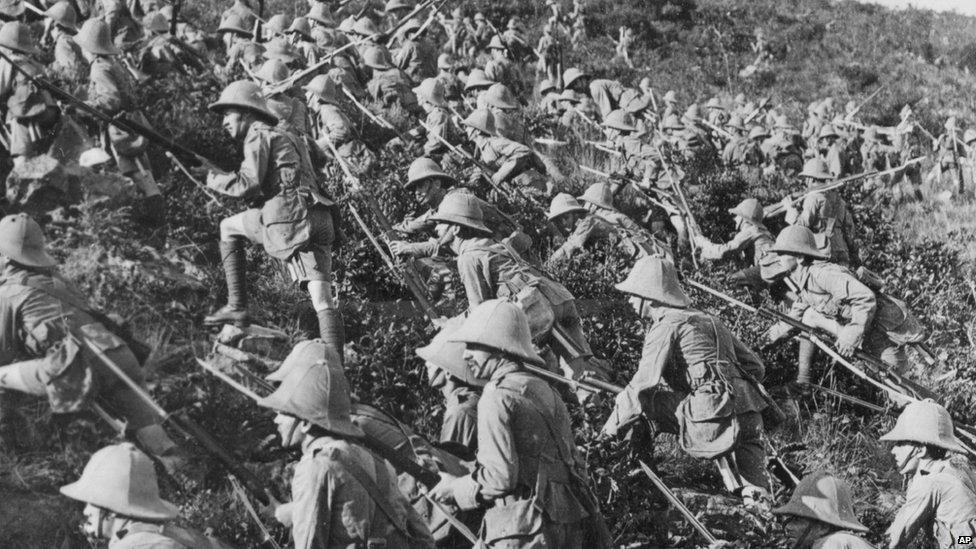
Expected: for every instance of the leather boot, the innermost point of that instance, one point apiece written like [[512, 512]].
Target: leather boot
[[235, 312], [804, 362], [331, 330]]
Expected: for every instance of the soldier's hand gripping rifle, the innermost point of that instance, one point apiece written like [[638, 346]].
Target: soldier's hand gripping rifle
[[117, 121], [377, 119], [693, 227], [409, 275], [777, 209]]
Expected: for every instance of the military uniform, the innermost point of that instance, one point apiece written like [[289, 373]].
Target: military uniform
[[827, 216], [943, 494], [334, 126], [741, 151], [31, 115], [460, 423], [527, 169], [417, 59], [390, 87], [439, 122], [588, 231], [146, 535], [750, 240], [528, 469], [68, 60]]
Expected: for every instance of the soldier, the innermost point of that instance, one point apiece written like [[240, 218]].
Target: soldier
[[300, 34], [161, 52], [906, 138], [513, 162], [46, 328], [500, 67], [941, 495], [342, 494], [598, 200], [475, 86], [717, 115], [447, 371], [448, 78], [332, 125], [549, 51], [740, 151], [120, 21], [31, 114], [285, 103], [416, 56], [388, 85], [826, 215], [625, 40], [831, 151], [240, 46], [489, 269], [482, 34], [713, 402], [670, 104], [820, 515], [509, 120], [606, 95], [784, 148], [122, 504], [430, 94], [68, 59], [289, 216], [548, 97], [583, 228], [831, 298], [525, 445], [948, 148], [751, 240]]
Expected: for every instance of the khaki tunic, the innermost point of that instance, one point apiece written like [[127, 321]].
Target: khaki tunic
[[332, 509], [528, 469], [460, 423], [391, 87], [439, 122], [68, 60], [145, 535], [841, 540], [750, 240], [941, 497], [417, 59], [828, 218]]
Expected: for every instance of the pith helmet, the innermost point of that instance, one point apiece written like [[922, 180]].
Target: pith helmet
[[498, 95], [569, 96], [758, 132], [816, 168], [479, 16], [499, 325], [445, 61], [12, 8], [425, 168], [714, 104], [563, 204], [546, 86], [967, 137], [63, 14], [22, 240], [365, 26], [822, 497], [431, 91], [277, 23], [571, 75], [345, 26], [273, 71], [797, 240], [656, 279], [280, 48], [477, 79], [308, 351], [599, 194], [122, 479], [246, 95], [749, 209], [692, 113], [448, 355], [513, 24], [481, 120], [827, 130], [925, 422], [670, 97], [671, 122], [398, 5], [232, 23], [377, 57], [620, 120], [735, 122], [155, 22], [906, 111], [461, 209], [301, 27], [15, 36], [323, 88], [316, 392], [496, 43], [320, 14]]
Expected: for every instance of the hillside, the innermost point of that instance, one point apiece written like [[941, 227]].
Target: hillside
[[821, 48]]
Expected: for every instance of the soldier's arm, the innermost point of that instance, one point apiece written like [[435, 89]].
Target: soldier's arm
[[336, 126], [847, 290], [711, 250], [918, 511], [476, 285], [497, 472], [311, 489], [575, 242], [247, 181], [655, 355], [104, 94], [810, 214]]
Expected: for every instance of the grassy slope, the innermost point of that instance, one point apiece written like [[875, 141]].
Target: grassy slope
[[842, 51]]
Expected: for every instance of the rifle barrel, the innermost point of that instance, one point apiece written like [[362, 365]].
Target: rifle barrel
[[677, 503]]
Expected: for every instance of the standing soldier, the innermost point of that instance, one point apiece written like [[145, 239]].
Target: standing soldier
[[500, 67], [529, 472], [831, 152], [448, 372], [119, 488], [752, 238], [826, 214], [550, 54], [111, 90], [941, 496], [948, 149], [713, 402], [46, 330], [289, 216], [342, 494], [820, 515], [31, 115], [68, 59], [906, 138]]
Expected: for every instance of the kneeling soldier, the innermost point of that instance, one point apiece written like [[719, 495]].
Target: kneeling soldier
[[820, 515]]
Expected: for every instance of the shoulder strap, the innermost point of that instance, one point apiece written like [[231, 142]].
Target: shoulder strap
[[59, 293], [374, 491]]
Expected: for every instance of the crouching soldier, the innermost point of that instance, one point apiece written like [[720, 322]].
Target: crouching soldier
[[714, 404], [123, 506], [820, 515], [941, 496], [289, 216], [529, 472], [47, 335], [342, 495], [752, 238], [514, 163], [491, 269]]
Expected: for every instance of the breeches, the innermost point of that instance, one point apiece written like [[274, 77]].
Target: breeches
[[312, 263]]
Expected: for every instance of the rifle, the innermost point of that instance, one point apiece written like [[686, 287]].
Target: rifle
[[603, 148], [177, 8], [189, 427], [633, 184], [777, 209], [206, 190], [375, 117], [266, 536], [867, 100], [722, 132], [692, 223], [118, 121], [673, 499]]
